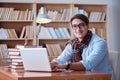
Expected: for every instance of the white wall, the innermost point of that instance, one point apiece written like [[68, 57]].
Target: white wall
[[114, 22], [113, 36]]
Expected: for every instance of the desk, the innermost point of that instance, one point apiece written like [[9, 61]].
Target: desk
[[6, 74]]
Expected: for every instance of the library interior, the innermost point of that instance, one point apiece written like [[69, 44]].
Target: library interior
[[49, 25]]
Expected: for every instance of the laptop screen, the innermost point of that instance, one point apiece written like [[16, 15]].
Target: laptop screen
[[35, 59]]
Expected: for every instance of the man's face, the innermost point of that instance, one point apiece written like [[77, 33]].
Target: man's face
[[79, 28]]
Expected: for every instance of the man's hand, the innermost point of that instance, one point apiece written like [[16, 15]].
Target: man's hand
[[55, 66]]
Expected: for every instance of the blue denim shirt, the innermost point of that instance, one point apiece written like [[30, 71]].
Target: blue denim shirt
[[94, 57]]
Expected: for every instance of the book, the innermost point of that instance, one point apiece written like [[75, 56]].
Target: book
[[27, 32], [63, 14], [10, 33], [55, 53], [19, 46], [62, 32], [93, 29], [44, 33], [10, 14], [103, 15], [3, 33], [6, 13], [54, 49], [58, 48], [49, 49], [29, 15], [14, 34], [1, 54], [4, 51], [13, 49], [17, 60], [15, 53], [17, 63], [66, 32], [16, 67], [16, 14], [3, 12], [59, 35], [15, 57], [52, 32], [23, 32], [17, 70]]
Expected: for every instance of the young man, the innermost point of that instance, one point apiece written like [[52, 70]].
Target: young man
[[87, 51]]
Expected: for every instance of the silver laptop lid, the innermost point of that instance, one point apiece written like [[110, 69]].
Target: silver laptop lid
[[35, 59]]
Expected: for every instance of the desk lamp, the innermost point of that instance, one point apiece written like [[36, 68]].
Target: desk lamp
[[41, 19]]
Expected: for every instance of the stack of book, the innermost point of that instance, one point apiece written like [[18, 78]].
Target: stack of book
[[12, 14], [62, 14], [4, 51], [99, 31], [77, 10], [93, 15], [27, 31], [53, 33], [97, 16], [93, 29], [54, 50], [4, 57], [16, 60], [7, 33]]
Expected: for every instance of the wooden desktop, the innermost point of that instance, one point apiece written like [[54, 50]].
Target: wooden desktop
[[6, 74]]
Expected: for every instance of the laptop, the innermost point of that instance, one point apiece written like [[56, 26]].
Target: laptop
[[35, 59]]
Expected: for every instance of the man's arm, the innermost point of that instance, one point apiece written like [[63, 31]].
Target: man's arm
[[72, 66], [77, 66], [64, 57]]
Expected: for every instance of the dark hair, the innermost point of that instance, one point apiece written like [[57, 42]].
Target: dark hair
[[81, 17]]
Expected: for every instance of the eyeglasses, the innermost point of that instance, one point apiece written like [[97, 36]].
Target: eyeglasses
[[80, 25]]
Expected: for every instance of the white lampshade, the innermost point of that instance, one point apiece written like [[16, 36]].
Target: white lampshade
[[42, 16]]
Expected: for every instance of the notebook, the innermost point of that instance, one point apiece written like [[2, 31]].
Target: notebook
[[35, 59]]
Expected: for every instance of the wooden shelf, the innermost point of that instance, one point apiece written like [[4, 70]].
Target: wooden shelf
[[23, 21], [61, 21], [91, 4], [98, 21], [15, 39], [56, 39], [53, 41]]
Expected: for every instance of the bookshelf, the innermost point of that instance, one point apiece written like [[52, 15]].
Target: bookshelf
[[60, 14], [10, 20], [56, 22]]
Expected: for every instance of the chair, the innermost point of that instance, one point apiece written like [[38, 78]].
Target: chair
[[115, 60]]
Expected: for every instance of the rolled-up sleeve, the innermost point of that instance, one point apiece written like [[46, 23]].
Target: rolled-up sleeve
[[96, 55], [65, 55]]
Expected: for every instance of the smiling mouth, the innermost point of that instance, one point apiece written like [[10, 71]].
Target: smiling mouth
[[80, 32]]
